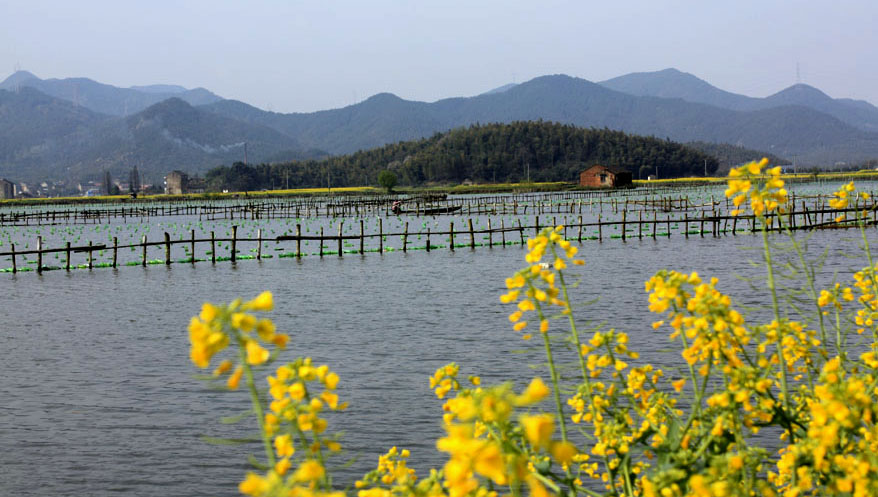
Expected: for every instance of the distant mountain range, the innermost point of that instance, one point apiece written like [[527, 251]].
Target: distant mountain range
[[77, 128], [46, 138], [671, 83], [107, 99]]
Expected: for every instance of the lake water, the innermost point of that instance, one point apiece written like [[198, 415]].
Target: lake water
[[98, 394]]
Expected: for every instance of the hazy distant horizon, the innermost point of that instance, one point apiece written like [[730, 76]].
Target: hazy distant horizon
[[309, 56]]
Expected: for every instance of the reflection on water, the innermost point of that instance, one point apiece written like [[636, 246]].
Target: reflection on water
[[98, 394]]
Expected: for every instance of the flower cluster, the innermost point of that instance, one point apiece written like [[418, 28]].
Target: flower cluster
[[842, 198], [299, 391], [215, 327], [839, 449], [767, 196], [393, 478], [535, 288], [867, 288], [489, 446]]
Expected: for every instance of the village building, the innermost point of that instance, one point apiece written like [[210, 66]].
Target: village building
[[7, 189], [598, 176], [176, 183]]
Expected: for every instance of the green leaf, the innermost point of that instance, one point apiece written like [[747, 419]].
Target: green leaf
[[230, 420], [256, 463]]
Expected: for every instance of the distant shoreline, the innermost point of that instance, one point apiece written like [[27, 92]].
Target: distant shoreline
[[371, 190]]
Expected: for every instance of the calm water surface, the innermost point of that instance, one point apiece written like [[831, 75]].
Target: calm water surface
[[98, 396]]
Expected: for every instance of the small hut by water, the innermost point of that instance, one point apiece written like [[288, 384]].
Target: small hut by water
[[598, 176]]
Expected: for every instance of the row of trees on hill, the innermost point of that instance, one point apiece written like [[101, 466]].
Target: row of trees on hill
[[493, 153], [729, 156]]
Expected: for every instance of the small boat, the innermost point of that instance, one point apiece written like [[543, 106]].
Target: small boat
[[397, 209]]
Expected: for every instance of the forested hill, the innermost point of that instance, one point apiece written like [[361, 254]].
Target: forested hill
[[493, 153]]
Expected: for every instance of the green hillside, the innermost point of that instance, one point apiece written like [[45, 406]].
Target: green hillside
[[539, 151]]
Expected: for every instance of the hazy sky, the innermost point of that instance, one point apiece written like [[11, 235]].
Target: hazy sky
[[295, 56]]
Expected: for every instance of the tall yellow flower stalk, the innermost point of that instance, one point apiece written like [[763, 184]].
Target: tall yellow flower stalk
[[291, 424]]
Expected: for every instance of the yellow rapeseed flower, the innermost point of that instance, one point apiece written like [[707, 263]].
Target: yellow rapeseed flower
[[208, 312], [283, 445], [253, 485], [235, 378], [243, 321], [538, 429], [223, 368], [309, 470], [263, 302], [536, 391], [255, 353]]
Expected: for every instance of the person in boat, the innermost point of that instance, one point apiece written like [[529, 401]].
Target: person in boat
[[394, 207]]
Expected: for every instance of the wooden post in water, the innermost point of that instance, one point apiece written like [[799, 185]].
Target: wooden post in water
[[115, 251], [143, 245], [67, 266], [536, 225], [212, 248], [624, 212], [299, 240], [428, 238], [362, 241], [490, 234], [258, 245], [192, 246], [472, 236], [90, 256], [520, 230], [39, 254], [321, 242], [234, 243], [451, 235], [702, 224], [686, 224], [579, 237], [503, 231], [654, 222], [600, 230], [734, 225], [340, 242], [12, 249], [167, 248], [381, 235]]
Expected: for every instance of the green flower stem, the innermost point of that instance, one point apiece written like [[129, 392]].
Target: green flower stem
[[780, 356], [574, 333], [696, 405], [626, 472], [776, 308], [257, 404], [556, 389], [812, 286]]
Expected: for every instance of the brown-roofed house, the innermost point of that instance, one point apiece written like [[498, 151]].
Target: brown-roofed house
[[598, 176]]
